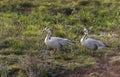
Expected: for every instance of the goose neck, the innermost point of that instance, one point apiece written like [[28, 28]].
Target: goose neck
[[85, 37], [48, 36]]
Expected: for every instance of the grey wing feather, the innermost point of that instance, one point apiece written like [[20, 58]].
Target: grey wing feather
[[64, 41], [100, 44]]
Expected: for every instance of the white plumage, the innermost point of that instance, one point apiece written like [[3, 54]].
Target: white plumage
[[55, 42], [91, 43]]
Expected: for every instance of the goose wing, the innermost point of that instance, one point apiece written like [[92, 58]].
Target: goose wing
[[63, 41], [95, 44], [100, 44]]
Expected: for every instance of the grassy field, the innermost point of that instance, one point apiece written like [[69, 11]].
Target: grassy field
[[24, 54]]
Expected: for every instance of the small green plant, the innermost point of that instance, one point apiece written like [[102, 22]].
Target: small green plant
[[21, 74], [3, 71]]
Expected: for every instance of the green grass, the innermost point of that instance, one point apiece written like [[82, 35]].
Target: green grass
[[22, 48]]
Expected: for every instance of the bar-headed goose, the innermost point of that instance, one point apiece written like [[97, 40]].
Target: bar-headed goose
[[55, 42], [91, 43]]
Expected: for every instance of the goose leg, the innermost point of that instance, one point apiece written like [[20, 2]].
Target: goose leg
[[58, 50], [54, 51], [93, 53]]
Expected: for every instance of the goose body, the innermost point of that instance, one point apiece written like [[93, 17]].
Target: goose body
[[55, 42], [91, 43]]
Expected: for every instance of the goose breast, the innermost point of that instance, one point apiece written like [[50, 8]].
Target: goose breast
[[53, 43]]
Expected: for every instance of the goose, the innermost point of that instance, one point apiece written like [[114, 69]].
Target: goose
[[90, 43], [55, 42]]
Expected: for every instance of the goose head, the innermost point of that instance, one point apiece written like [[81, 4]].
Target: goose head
[[47, 30], [85, 31]]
